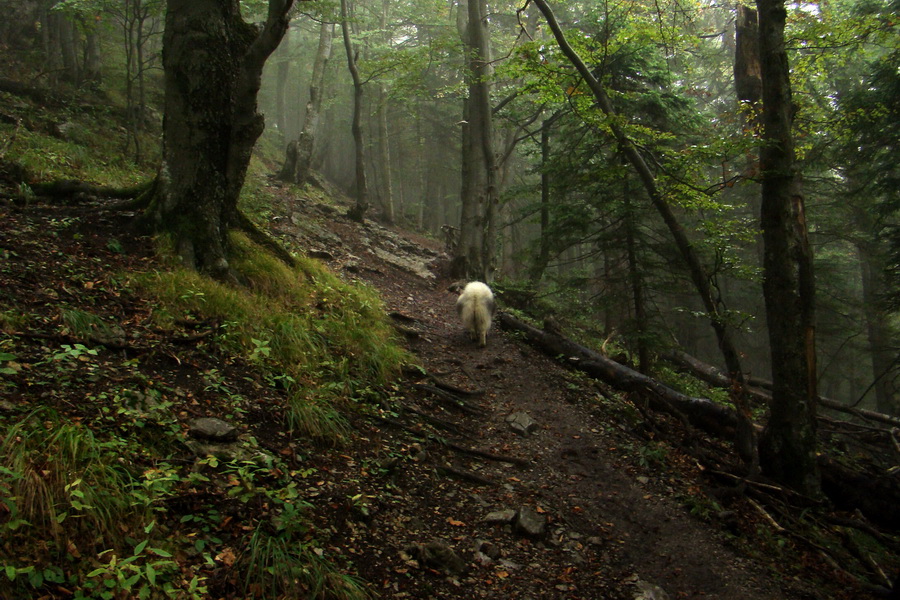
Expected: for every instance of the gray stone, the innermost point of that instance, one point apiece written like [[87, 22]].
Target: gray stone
[[210, 428], [437, 555], [530, 523], [489, 549], [522, 423], [502, 517]]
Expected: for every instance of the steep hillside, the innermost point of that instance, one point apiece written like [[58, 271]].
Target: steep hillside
[[480, 473]]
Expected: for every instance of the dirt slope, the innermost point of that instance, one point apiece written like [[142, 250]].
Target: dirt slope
[[597, 508], [612, 525]]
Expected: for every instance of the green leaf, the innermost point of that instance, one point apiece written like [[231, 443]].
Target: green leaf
[[140, 547], [159, 552], [10, 572], [151, 574]]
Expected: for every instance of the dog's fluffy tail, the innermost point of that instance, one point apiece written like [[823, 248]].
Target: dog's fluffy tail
[[476, 309]]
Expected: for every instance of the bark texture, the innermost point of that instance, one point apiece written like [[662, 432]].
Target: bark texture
[[747, 75], [474, 257], [213, 63]]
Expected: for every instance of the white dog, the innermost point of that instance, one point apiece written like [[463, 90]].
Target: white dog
[[476, 308]]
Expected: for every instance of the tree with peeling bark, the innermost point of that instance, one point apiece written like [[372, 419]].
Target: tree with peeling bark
[[213, 60]]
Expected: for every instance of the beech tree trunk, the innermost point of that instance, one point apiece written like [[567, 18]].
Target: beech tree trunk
[[384, 146], [358, 212], [299, 154], [282, 71], [788, 444], [747, 82], [475, 253], [213, 62]]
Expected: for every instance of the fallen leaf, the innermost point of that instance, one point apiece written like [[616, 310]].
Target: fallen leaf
[[455, 523], [226, 556]]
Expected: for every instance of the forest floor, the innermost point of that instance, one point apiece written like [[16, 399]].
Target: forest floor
[[440, 497]]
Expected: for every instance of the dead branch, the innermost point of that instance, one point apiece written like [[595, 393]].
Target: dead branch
[[456, 390], [449, 398], [437, 422]]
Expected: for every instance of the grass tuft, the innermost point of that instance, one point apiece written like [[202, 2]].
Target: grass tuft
[[279, 567], [329, 337], [59, 481]]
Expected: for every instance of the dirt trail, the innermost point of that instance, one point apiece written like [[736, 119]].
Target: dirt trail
[[614, 527]]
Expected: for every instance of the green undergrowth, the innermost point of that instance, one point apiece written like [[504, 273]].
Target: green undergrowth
[[73, 143], [325, 340], [108, 500]]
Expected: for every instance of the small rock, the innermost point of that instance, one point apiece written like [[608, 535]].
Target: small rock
[[489, 549], [320, 254], [502, 517], [510, 565], [649, 591], [530, 523], [210, 428], [522, 423], [437, 555]]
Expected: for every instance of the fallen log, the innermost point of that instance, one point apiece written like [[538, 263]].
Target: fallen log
[[714, 376], [875, 495], [700, 412]]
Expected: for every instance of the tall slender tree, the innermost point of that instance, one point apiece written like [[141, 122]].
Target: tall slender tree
[[788, 443], [359, 210], [299, 154], [475, 252]]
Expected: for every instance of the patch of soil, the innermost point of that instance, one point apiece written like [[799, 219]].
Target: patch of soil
[[407, 503]]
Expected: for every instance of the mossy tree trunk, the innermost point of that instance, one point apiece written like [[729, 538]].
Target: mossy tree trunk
[[213, 62]]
